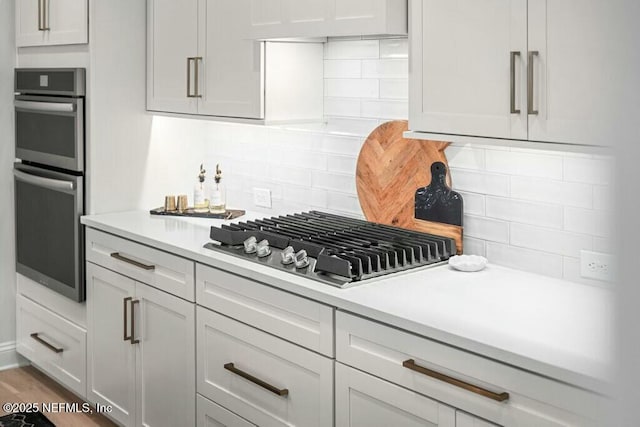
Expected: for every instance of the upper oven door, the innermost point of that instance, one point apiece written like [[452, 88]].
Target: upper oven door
[[49, 236], [50, 131]]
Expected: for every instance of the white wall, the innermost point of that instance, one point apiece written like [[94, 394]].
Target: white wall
[[7, 156], [531, 209]]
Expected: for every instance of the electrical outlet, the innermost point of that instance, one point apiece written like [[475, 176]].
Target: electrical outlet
[[596, 265], [262, 197]]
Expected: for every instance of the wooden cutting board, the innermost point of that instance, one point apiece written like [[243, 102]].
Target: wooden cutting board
[[390, 169]]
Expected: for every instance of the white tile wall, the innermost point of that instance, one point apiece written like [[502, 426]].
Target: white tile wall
[[525, 208]]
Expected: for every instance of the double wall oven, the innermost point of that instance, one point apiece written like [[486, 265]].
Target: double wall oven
[[49, 177]]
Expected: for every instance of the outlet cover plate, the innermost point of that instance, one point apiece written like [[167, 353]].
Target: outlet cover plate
[[596, 265], [262, 197]]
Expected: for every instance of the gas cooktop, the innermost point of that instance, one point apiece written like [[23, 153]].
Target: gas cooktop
[[329, 248]]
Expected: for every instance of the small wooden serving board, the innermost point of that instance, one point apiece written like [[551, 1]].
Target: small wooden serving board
[[390, 169]]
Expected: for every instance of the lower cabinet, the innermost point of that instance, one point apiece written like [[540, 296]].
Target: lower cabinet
[[210, 414], [54, 344], [264, 379], [141, 351], [363, 400]]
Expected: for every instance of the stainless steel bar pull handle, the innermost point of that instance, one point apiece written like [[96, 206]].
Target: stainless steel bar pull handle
[[61, 107], [530, 79], [134, 340], [43, 15], [512, 90], [46, 344], [257, 381], [49, 183], [40, 23], [411, 364], [196, 77], [138, 264], [125, 322]]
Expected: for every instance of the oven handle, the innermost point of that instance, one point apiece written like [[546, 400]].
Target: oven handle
[[53, 184], [65, 107]]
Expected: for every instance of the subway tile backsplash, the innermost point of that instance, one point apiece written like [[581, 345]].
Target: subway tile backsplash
[[525, 208]]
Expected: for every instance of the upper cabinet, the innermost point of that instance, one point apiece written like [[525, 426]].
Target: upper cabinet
[[514, 69], [199, 62], [51, 22], [276, 19]]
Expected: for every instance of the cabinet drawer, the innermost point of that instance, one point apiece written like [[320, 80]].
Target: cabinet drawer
[[264, 379], [290, 317], [363, 400], [164, 271], [56, 345], [210, 414], [406, 359]]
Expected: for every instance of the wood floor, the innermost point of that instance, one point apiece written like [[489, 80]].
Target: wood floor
[[29, 385]]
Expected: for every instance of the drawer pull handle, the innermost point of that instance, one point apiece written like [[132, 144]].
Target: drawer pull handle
[[46, 344], [411, 364], [125, 320], [272, 389], [119, 257]]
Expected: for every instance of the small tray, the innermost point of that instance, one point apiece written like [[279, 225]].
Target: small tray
[[229, 214]]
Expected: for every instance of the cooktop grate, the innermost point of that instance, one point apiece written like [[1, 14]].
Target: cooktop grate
[[342, 249]]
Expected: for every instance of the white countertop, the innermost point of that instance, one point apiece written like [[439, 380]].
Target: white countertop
[[556, 328]]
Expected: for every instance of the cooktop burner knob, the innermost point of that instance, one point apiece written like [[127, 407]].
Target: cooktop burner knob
[[301, 259], [263, 248], [288, 255], [250, 245]]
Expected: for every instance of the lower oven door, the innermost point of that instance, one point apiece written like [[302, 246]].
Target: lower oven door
[[49, 236]]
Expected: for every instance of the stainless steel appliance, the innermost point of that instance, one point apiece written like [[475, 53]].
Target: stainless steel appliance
[[49, 177], [329, 248]]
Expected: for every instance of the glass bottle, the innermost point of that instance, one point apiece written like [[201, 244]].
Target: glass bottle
[[217, 203], [200, 203]]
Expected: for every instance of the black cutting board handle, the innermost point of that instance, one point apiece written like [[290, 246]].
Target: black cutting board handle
[[437, 202]]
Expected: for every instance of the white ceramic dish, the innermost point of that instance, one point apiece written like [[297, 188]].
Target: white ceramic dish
[[468, 262]]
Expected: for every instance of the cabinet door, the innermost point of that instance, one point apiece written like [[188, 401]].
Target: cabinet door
[[231, 82], [271, 19], [573, 73], [51, 22], [353, 17], [172, 39], [366, 401], [460, 72], [165, 360], [110, 357]]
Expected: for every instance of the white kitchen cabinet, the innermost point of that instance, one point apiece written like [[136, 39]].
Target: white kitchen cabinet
[[110, 355], [512, 69], [200, 62], [460, 67], [363, 400], [572, 72], [288, 316], [465, 381], [277, 19], [51, 22], [141, 351], [262, 378], [210, 414], [172, 43], [54, 344]]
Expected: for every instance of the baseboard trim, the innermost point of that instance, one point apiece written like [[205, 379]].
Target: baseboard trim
[[9, 357]]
